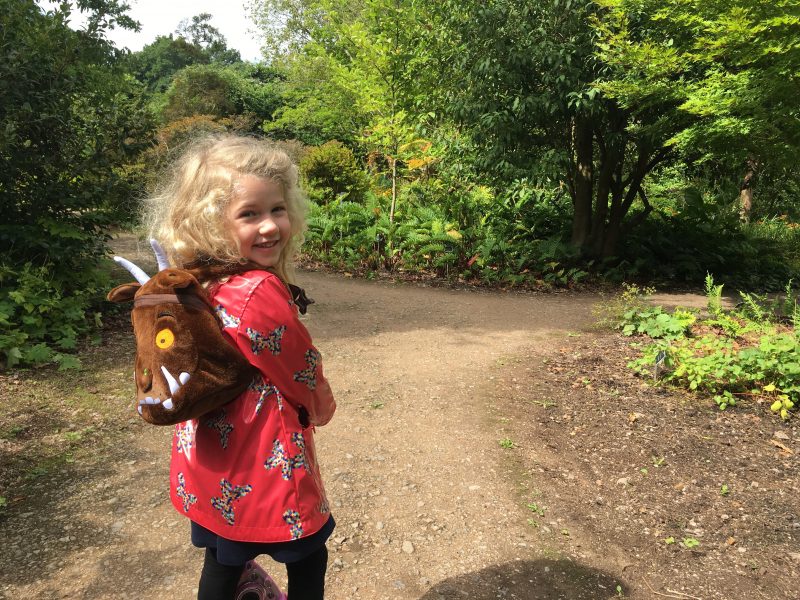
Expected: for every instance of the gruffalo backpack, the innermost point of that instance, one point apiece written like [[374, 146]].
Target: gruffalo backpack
[[184, 366]]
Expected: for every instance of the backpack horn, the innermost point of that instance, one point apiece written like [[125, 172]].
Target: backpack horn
[[137, 273], [161, 256]]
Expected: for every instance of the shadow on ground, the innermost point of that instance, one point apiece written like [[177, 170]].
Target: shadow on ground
[[530, 580]]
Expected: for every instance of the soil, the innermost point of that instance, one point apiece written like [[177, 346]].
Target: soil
[[486, 445]]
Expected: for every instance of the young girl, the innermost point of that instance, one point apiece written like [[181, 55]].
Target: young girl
[[246, 475]]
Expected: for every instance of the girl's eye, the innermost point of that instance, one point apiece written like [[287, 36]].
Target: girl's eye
[[247, 214], [279, 209]]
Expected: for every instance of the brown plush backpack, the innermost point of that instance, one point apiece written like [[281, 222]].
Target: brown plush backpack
[[184, 366]]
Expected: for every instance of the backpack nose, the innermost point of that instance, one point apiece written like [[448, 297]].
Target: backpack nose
[[143, 378]]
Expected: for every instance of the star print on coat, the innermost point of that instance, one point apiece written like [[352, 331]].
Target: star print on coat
[[280, 459], [187, 498], [228, 320], [309, 375], [224, 504], [185, 438], [222, 426], [265, 390], [259, 299], [292, 518], [270, 341]]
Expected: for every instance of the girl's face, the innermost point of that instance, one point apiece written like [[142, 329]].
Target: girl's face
[[258, 219]]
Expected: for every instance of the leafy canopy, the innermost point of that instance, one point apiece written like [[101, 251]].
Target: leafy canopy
[[724, 72]]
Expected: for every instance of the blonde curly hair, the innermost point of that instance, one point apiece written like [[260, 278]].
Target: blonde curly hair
[[187, 213]]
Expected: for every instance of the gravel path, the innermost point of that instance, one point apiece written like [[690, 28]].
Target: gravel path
[[412, 464]]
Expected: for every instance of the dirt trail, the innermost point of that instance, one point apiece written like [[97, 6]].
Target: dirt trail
[[411, 460], [486, 445]]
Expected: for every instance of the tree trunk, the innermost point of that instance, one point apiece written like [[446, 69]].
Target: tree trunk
[[604, 183], [582, 194], [394, 188], [746, 193]]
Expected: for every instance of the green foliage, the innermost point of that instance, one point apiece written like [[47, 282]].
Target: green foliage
[[617, 311], [427, 242], [657, 324], [723, 72], [425, 237], [69, 123], [515, 85], [632, 313], [314, 107], [42, 316], [525, 93], [743, 353], [518, 235], [693, 232], [65, 128], [690, 542], [156, 63], [349, 77], [221, 91], [361, 237], [507, 444], [197, 43], [200, 90], [202, 34], [348, 234], [506, 91], [713, 296], [331, 172]]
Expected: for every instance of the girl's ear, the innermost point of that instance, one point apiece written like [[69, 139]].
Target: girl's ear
[[124, 292]]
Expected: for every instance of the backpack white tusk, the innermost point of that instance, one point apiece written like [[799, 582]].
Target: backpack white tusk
[[174, 386]]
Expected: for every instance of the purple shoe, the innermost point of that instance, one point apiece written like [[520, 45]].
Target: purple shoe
[[255, 584]]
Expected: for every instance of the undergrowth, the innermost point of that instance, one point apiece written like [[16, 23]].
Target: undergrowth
[[749, 352], [424, 239]]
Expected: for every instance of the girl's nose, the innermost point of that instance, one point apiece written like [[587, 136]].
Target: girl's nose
[[267, 226]]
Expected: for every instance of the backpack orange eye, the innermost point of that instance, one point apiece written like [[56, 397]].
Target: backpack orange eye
[[164, 339]]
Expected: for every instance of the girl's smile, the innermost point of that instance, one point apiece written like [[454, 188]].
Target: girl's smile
[[259, 220]]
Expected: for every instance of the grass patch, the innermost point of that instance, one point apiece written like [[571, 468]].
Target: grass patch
[[54, 420]]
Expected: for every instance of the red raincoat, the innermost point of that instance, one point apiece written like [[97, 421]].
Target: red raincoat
[[248, 472]]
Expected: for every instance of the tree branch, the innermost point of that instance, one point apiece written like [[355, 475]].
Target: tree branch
[[639, 218]]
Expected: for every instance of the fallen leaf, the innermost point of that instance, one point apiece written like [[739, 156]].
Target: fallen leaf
[[785, 451]]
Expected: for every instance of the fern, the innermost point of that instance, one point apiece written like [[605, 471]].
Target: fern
[[713, 295], [751, 307]]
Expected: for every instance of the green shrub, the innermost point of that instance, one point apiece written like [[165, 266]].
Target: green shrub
[[742, 353], [42, 317], [467, 234], [69, 125], [343, 234], [331, 172], [426, 241], [219, 91], [682, 243]]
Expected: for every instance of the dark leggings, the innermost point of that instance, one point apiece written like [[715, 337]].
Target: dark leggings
[[306, 577]]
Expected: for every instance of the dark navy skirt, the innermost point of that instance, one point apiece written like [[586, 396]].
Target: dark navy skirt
[[233, 553]]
